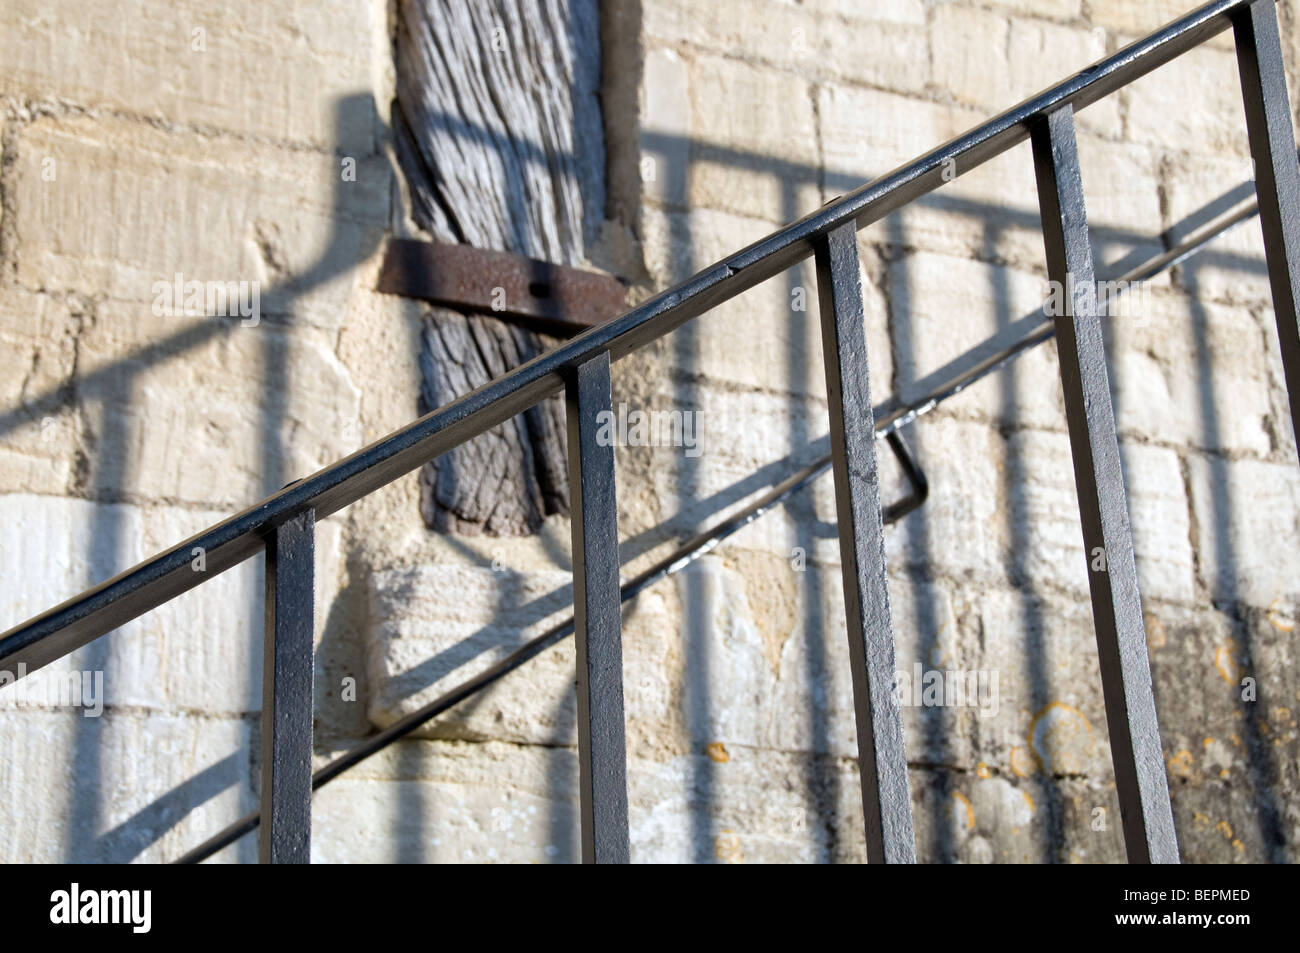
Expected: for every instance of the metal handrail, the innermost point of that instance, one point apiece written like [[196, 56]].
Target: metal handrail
[[284, 522], [111, 604], [889, 423]]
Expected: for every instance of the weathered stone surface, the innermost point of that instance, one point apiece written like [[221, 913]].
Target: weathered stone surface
[[990, 211], [199, 652], [126, 431], [1233, 268], [289, 220], [942, 308], [753, 148], [1191, 374], [1048, 538], [1225, 691], [176, 408], [1139, 19], [803, 40], [1191, 104], [37, 431], [1247, 517], [962, 530], [769, 338], [243, 68], [123, 787], [417, 651], [993, 62]]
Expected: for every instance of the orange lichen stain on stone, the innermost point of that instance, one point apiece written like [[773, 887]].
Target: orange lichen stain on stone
[[1200, 820], [970, 811], [1281, 715], [1241, 848], [726, 846], [1022, 762], [1224, 774], [1236, 741], [982, 771], [1228, 668], [1156, 637], [1224, 828], [718, 752], [1278, 618], [1207, 742], [1028, 800], [1181, 764], [1062, 738]]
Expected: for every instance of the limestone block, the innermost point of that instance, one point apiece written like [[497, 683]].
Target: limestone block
[[1139, 19], [741, 805], [284, 221], [1232, 268], [1193, 374], [201, 651], [754, 141], [1049, 544], [204, 411], [769, 338], [943, 307], [1193, 104], [987, 60], [1055, 9], [123, 787], [425, 802], [420, 643], [1225, 692], [990, 211], [803, 40], [1247, 518], [37, 431], [1050, 713], [962, 531], [244, 69]]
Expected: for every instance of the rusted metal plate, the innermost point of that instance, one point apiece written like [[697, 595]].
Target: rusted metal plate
[[553, 298]]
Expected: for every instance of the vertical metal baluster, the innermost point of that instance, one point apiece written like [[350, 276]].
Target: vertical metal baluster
[[287, 698], [1112, 578], [882, 757], [1277, 175], [602, 747]]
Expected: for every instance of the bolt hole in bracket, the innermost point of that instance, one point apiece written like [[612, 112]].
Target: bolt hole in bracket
[[553, 299]]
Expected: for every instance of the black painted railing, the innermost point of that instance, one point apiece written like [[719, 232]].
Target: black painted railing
[[284, 524]]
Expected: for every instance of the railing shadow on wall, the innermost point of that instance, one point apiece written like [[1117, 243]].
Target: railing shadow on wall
[[111, 387], [697, 630]]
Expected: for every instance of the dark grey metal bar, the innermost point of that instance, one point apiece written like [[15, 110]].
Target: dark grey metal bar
[[598, 621], [287, 692], [1116, 606], [113, 603], [1277, 176], [882, 758]]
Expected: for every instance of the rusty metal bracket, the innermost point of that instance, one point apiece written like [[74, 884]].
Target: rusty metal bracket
[[555, 299]]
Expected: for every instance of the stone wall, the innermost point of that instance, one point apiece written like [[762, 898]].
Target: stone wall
[[234, 142]]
